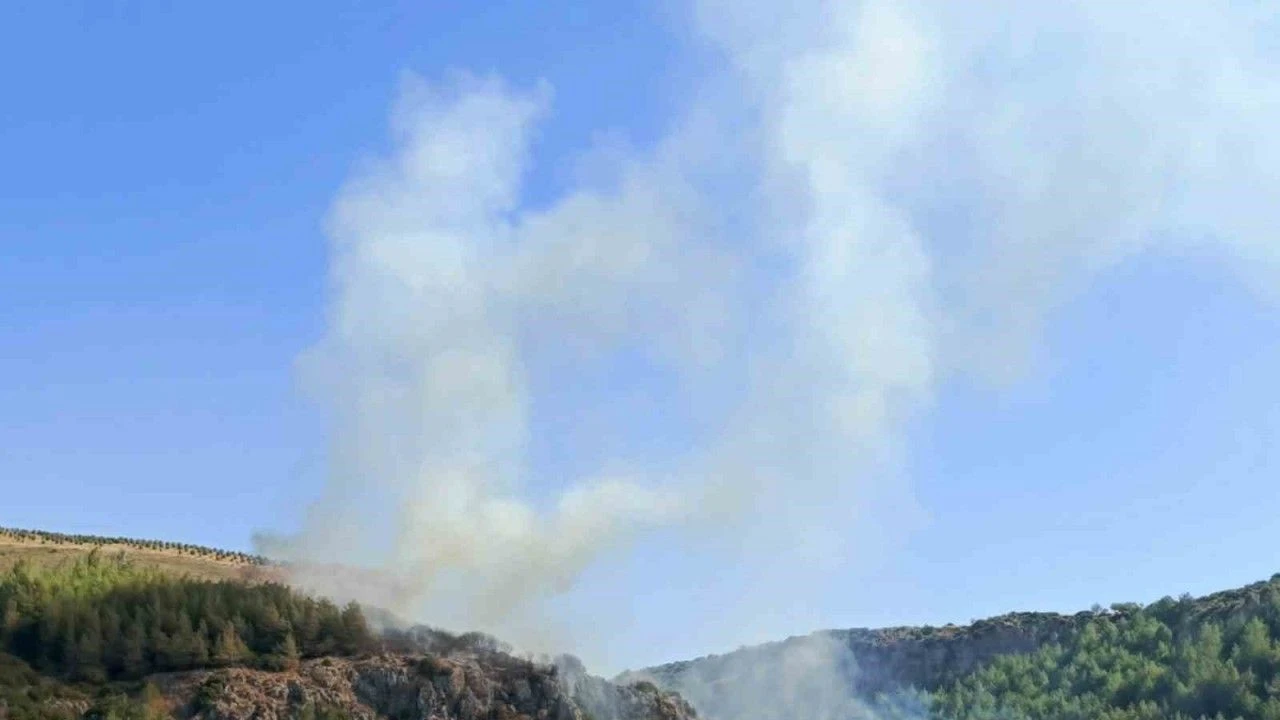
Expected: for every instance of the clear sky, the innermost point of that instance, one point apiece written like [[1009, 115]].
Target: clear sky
[[165, 174]]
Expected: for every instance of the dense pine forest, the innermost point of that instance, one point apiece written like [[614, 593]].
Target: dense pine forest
[[103, 619], [1215, 657], [97, 621]]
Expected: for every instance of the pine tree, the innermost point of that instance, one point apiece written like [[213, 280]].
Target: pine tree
[[10, 618], [229, 649], [133, 655], [201, 647], [89, 653], [285, 656], [1254, 650], [356, 637], [65, 654], [307, 625], [164, 656]]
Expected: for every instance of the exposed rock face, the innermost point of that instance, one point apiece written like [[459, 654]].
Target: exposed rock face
[[931, 657], [405, 687], [861, 664], [841, 671], [601, 699]]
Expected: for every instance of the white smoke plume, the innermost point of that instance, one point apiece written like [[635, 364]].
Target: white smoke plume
[[809, 676], [866, 198]]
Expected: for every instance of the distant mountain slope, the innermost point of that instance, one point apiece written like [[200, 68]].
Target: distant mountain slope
[[42, 548], [1214, 656]]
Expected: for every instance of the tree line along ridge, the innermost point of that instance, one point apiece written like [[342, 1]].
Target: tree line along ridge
[[41, 537]]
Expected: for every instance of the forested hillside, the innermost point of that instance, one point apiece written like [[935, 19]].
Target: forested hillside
[[103, 633], [97, 634], [1214, 657], [97, 620], [1176, 659]]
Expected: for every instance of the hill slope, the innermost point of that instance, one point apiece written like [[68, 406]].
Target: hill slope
[[41, 548], [118, 629], [1215, 656]]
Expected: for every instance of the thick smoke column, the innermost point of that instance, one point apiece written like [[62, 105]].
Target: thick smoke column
[[424, 362], [867, 197]]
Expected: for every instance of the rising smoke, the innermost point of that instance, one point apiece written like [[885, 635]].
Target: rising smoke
[[867, 197]]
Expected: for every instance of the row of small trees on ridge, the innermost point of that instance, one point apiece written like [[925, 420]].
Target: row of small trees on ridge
[[199, 551]]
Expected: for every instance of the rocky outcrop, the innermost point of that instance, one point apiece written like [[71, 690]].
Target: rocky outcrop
[[407, 687], [838, 672], [602, 699], [927, 657], [870, 662]]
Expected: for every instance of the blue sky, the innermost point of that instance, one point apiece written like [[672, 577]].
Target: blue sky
[[164, 257], [164, 262]]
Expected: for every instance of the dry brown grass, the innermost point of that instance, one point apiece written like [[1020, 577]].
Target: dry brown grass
[[44, 549]]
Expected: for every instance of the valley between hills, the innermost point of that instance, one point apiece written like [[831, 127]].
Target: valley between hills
[[105, 628]]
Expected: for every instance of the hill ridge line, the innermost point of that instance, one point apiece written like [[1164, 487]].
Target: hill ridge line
[[159, 546]]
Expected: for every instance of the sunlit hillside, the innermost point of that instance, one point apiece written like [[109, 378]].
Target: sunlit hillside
[[40, 548]]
